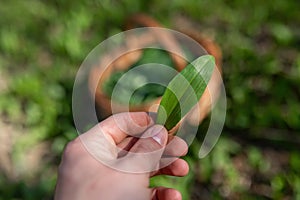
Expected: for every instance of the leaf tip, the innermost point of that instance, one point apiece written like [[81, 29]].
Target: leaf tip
[[208, 58]]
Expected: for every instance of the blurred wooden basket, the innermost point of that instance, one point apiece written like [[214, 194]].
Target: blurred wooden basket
[[104, 103]]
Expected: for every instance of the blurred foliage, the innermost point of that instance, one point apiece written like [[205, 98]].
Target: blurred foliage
[[134, 86], [42, 44]]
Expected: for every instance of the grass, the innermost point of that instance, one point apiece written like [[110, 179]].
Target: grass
[[42, 44]]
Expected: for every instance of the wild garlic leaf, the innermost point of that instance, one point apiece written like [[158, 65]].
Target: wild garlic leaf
[[184, 91]]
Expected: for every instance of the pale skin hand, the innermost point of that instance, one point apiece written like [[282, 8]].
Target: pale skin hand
[[82, 176]]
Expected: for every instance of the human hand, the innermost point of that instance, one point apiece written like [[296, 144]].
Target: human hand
[[109, 162]]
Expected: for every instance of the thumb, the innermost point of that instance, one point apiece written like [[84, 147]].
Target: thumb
[[145, 154], [154, 139]]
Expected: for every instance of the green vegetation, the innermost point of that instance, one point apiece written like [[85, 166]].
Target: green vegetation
[[129, 85], [42, 44]]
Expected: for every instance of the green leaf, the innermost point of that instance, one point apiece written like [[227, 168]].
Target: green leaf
[[184, 91]]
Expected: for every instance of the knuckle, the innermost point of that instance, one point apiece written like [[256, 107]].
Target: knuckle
[[70, 158], [71, 148]]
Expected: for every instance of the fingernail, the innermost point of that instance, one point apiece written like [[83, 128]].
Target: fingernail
[[159, 134]]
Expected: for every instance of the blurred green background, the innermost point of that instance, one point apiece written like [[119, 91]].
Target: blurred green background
[[42, 44]]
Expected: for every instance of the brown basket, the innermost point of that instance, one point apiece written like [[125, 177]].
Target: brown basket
[[104, 102]]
